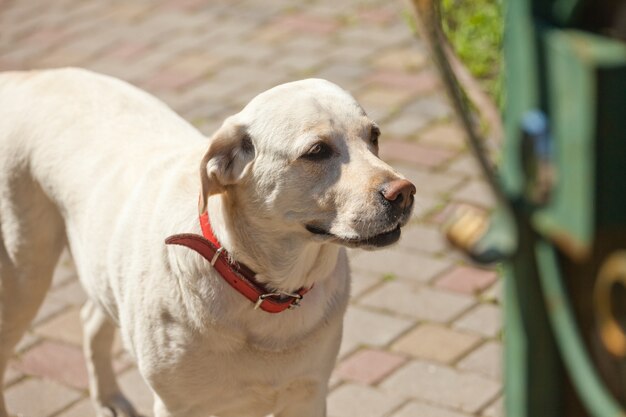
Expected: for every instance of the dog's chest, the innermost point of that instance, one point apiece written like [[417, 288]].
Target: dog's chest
[[258, 399], [244, 382]]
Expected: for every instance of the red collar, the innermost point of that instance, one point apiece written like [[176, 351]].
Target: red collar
[[239, 276]]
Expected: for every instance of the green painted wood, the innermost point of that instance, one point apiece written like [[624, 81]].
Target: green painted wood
[[522, 88], [577, 64], [533, 374], [575, 78], [588, 384]]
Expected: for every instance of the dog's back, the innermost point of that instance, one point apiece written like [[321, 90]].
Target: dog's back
[[31, 228], [61, 136]]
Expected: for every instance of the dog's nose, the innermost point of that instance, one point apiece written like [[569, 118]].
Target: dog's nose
[[399, 192]]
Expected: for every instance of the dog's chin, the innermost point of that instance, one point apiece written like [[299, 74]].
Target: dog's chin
[[372, 242]]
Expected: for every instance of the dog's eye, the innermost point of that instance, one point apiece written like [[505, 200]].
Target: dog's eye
[[318, 152], [374, 134]]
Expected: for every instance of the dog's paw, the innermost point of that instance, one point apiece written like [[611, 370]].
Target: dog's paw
[[118, 406]]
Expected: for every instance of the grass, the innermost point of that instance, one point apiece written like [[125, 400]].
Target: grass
[[475, 29], [389, 277]]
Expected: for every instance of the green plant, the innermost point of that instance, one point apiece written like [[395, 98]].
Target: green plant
[[475, 30], [389, 277]]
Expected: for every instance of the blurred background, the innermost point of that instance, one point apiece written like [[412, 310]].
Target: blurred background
[[423, 330]]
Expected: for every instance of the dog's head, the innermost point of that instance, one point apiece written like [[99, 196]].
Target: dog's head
[[303, 157]]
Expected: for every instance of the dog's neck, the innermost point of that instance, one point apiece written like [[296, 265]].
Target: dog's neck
[[283, 260]]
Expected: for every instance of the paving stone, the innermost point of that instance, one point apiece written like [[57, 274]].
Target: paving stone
[[307, 24], [380, 103], [484, 319], [467, 279], [363, 327], [108, 67], [305, 45], [206, 109], [155, 25], [11, 376], [230, 26], [423, 238], [334, 382], [28, 340], [446, 214], [50, 397], [418, 409], [494, 293], [380, 15], [486, 360], [254, 80], [362, 282], [368, 366], [45, 38], [476, 192], [392, 36], [395, 263], [135, 388], [66, 327], [417, 115], [128, 12], [62, 363], [186, 5], [172, 79], [21, 11], [441, 385], [345, 74], [301, 64], [329, 9], [272, 34], [350, 53], [422, 82], [18, 59], [191, 99], [145, 67], [426, 181], [65, 271], [447, 135], [257, 54], [83, 408], [78, 26], [352, 400], [8, 64], [58, 58], [425, 205], [496, 409], [92, 45], [436, 342], [423, 303], [195, 62], [51, 307], [403, 151], [72, 294], [455, 256], [406, 59]]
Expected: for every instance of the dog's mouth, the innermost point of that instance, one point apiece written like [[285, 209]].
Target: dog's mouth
[[377, 241]]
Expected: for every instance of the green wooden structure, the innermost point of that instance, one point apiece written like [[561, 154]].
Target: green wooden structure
[[560, 228]]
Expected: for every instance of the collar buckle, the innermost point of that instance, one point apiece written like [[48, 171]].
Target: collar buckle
[[237, 275], [294, 303], [218, 252]]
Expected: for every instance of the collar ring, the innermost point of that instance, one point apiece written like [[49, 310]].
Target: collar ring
[[218, 252]]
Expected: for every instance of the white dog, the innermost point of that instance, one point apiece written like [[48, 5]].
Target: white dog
[[93, 163]]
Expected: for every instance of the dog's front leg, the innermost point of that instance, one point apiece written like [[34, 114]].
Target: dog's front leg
[[97, 343], [315, 407]]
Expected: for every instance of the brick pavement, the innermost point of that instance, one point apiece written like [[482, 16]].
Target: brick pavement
[[422, 334]]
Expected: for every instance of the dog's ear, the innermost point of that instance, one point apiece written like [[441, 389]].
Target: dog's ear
[[225, 162]]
